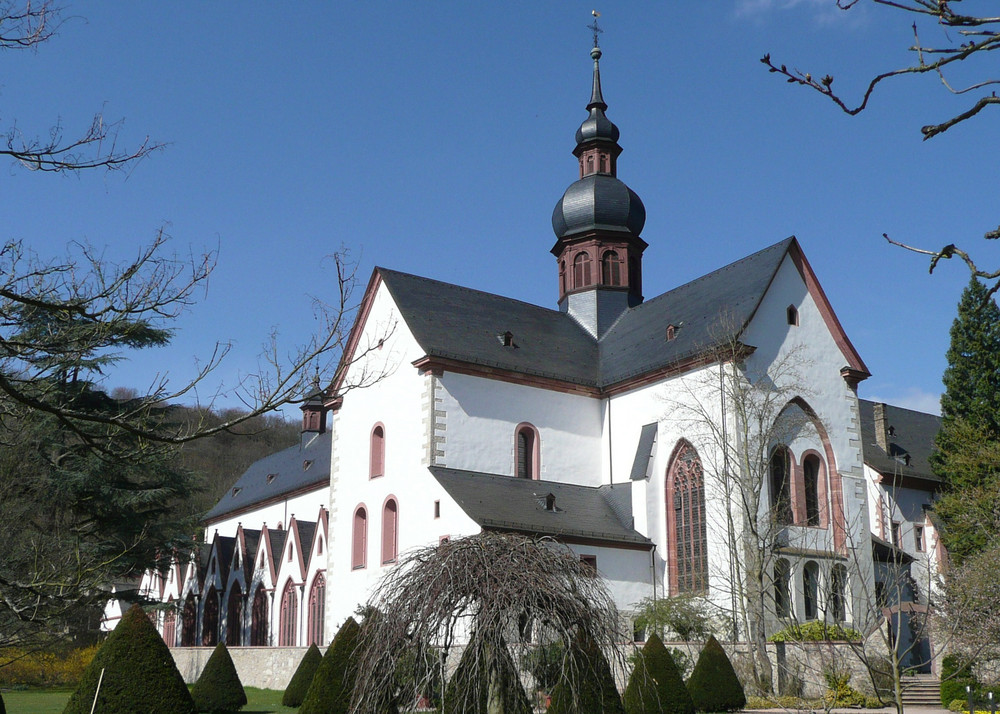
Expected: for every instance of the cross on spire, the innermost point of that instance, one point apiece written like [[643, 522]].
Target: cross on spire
[[594, 27]]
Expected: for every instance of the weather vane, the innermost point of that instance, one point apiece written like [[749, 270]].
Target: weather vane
[[595, 28]]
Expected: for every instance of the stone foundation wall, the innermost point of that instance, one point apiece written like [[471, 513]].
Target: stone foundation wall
[[264, 667]]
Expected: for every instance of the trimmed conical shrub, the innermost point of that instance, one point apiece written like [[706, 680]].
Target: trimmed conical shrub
[[3, 707], [656, 685], [472, 686], [333, 683], [296, 690], [219, 689], [139, 674], [595, 688], [713, 684]]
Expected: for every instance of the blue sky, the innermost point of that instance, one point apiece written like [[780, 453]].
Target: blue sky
[[435, 138]]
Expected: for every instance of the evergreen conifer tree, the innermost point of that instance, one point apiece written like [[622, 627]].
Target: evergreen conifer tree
[[656, 685], [296, 690], [219, 689], [594, 685], [332, 685], [713, 685], [483, 674], [139, 673], [967, 456]]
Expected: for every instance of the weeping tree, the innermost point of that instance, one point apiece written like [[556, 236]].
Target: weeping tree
[[502, 595]]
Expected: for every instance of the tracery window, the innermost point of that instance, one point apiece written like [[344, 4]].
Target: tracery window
[[170, 624], [258, 618], [210, 619], [189, 622], [686, 522], [289, 616], [234, 617], [317, 610]]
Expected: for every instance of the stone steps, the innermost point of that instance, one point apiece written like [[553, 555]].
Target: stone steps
[[922, 690]]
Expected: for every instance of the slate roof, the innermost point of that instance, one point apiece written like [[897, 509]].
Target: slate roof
[[251, 538], [290, 474], [453, 322], [507, 503], [307, 531], [914, 434], [225, 547]]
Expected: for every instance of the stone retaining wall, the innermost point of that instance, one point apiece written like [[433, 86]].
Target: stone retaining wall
[[264, 667]]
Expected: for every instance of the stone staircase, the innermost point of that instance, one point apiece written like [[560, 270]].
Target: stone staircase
[[922, 690]]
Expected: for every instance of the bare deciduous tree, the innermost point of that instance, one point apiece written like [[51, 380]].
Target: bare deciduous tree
[[959, 39]]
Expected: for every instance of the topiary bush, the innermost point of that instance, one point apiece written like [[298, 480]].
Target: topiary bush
[[3, 707], [333, 683], [956, 675], [713, 685], [470, 687], [595, 688], [296, 690], [656, 685], [139, 673], [219, 689]]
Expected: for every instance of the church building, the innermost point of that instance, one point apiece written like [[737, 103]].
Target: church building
[[605, 421]]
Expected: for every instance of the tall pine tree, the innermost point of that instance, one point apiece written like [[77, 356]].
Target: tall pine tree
[[967, 456]]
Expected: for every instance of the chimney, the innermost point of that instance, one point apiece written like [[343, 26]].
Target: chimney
[[881, 427]]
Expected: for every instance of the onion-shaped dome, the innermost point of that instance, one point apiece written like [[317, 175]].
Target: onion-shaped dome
[[598, 202]]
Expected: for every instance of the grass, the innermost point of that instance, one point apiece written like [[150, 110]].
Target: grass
[[53, 701]]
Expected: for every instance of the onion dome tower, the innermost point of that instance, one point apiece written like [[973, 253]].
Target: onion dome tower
[[597, 224]]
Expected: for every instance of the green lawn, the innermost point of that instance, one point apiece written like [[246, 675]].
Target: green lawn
[[47, 701]]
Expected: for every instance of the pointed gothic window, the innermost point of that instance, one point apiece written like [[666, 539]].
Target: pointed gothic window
[[526, 452], [359, 541], [810, 477], [234, 617], [781, 497], [688, 552], [810, 589], [317, 609], [782, 589], [611, 269], [390, 531], [377, 460], [170, 624], [289, 622], [258, 618], [581, 271], [210, 619]]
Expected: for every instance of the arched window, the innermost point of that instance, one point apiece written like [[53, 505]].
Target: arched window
[[289, 616], [611, 273], [581, 271], [258, 618], [170, 624], [838, 588], [390, 533], [688, 552], [189, 622], [359, 538], [810, 477], [562, 278], [234, 617], [376, 463], [210, 619], [317, 609], [781, 497], [526, 451], [792, 315], [782, 589], [810, 589]]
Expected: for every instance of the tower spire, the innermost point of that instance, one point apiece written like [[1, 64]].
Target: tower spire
[[596, 99]]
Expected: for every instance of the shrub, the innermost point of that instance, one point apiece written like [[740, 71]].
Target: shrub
[[469, 690], [3, 707], [332, 685], [595, 690], [815, 631], [840, 693], [545, 664], [296, 690], [44, 669], [956, 675], [713, 685], [219, 688], [139, 673], [656, 684]]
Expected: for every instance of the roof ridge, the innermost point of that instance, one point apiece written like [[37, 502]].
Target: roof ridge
[[514, 478], [896, 406]]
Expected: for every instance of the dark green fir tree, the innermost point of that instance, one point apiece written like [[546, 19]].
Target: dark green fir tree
[[296, 690], [656, 685], [219, 689], [713, 684]]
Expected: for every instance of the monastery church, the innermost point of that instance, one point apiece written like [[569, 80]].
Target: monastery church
[[573, 422]]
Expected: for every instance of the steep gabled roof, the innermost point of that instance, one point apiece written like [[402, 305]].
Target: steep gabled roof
[[288, 471], [913, 436], [510, 504], [250, 540], [307, 531]]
